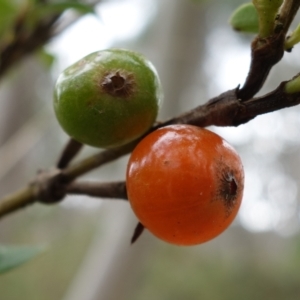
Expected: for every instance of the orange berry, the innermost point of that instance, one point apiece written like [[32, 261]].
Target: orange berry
[[185, 184]]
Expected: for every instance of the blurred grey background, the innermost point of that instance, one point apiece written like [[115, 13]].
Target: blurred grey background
[[89, 256]]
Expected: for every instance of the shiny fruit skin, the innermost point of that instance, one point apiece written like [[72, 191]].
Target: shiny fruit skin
[[108, 98], [185, 184]]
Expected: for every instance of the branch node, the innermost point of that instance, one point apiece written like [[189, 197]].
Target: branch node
[[49, 186]]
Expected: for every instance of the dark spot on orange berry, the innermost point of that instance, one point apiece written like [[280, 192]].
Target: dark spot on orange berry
[[228, 188]]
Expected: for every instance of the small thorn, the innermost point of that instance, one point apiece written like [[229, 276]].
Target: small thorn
[[137, 232]]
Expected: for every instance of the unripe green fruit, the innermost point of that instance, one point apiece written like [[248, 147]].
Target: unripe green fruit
[[108, 98]]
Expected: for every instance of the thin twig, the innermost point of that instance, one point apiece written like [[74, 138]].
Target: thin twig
[[287, 14], [115, 190], [17, 200], [24, 43], [266, 52], [69, 152], [224, 110], [97, 160]]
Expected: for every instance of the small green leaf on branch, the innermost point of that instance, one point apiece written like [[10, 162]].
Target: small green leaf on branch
[[245, 19], [292, 39], [293, 86], [60, 7]]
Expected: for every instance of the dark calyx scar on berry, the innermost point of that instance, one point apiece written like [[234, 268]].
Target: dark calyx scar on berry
[[118, 83], [108, 98]]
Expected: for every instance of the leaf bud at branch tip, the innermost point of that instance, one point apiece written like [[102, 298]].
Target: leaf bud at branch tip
[[292, 39], [293, 86], [267, 11], [245, 19]]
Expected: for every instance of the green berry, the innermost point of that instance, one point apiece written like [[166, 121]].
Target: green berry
[[108, 98]]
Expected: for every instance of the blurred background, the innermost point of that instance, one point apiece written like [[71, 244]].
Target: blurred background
[[88, 253]]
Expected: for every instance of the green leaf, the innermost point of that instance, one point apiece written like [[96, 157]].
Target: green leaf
[[60, 7], [245, 19], [14, 256], [8, 11], [292, 39], [44, 10]]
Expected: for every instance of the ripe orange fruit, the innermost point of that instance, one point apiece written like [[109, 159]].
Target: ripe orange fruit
[[185, 184]]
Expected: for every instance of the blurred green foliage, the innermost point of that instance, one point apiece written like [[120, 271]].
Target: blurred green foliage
[[22, 16], [14, 256], [48, 276], [9, 10]]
